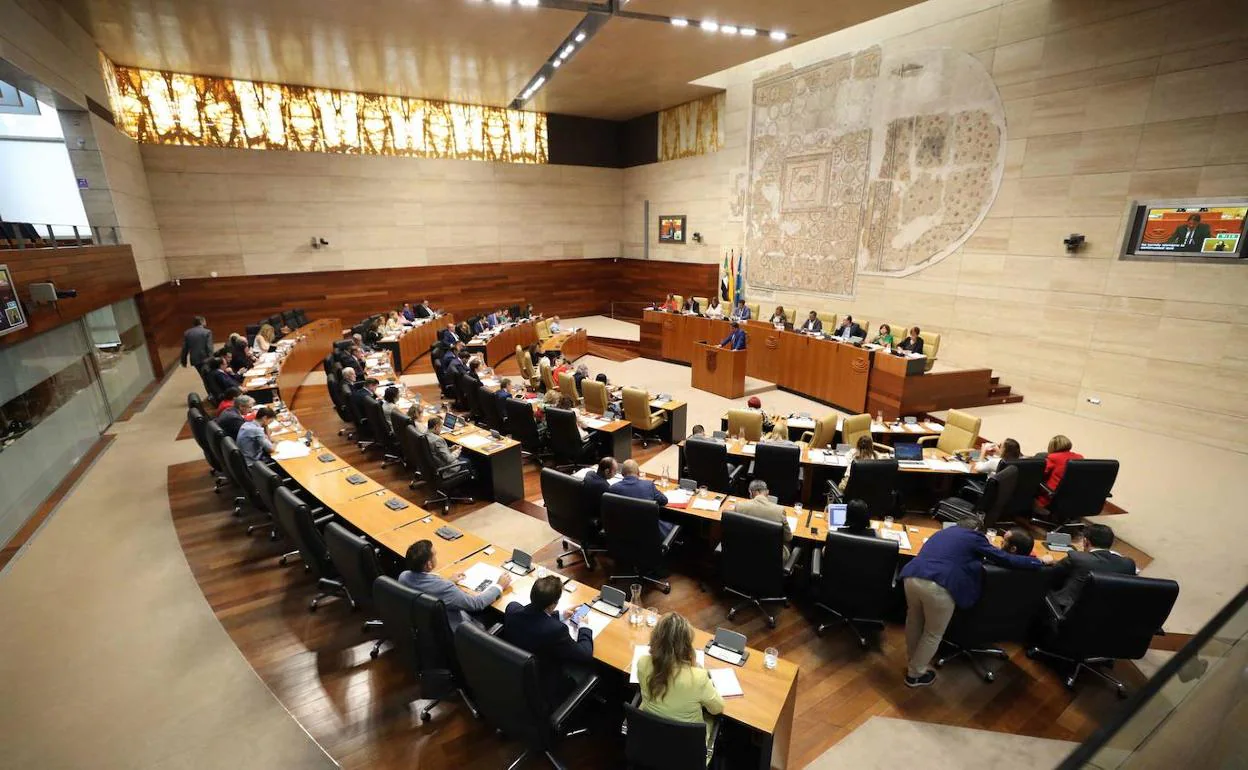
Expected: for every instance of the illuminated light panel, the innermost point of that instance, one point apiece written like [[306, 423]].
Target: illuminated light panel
[[171, 108], [778, 35], [728, 29], [748, 32], [709, 26], [680, 22], [580, 36]]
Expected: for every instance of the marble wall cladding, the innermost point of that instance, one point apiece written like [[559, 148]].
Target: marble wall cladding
[[256, 212], [1103, 103]]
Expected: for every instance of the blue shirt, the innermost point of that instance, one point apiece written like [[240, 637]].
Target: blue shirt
[[735, 340], [642, 489], [253, 442], [742, 313], [952, 557], [452, 597]]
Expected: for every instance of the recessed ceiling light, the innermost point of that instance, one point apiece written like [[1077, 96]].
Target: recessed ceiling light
[[556, 62], [778, 35], [567, 51], [538, 83], [748, 32], [710, 26], [680, 22], [728, 29], [580, 36]]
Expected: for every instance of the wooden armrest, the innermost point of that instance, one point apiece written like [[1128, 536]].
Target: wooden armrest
[[928, 440]]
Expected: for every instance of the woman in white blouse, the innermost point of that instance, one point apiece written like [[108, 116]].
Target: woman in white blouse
[[263, 340], [714, 310]]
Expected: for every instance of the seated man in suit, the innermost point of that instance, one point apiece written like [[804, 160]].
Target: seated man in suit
[[740, 312], [457, 363], [448, 337], [361, 396], [474, 368], [358, 362], [1073, 571], [422, 560], [221, 377], [452, 351], [812, 324], [1190, 235], [849, 328], [232, 418], [597, 483], [690, 306], [253, 436], [504, 391], [760, 506], [443, 455], [538, 627], [632, 485], [735, 339], [407, 312], [423, 310]]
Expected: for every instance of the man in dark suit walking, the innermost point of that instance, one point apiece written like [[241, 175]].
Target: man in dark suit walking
[[197, 343], [1096, 556], [1191, 235], [538, 627]]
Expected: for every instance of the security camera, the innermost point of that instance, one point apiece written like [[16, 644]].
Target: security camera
[[324, 242], [1073, 242], [319, 242], [697, 237]]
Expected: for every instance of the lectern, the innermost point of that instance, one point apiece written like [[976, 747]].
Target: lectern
[[719, 370]]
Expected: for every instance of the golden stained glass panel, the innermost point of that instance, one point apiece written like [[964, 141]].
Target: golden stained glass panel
[[173, 108], [692, 128]]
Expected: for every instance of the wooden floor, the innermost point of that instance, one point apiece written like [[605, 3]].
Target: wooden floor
[[358, 708]]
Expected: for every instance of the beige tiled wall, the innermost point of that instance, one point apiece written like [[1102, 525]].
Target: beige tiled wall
[[250, 212], [1106, 102]]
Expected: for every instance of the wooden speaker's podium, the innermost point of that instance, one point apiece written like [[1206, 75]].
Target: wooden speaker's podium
[[719, 370]]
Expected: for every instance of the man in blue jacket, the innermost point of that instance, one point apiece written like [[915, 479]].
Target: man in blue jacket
[[946, 573], [632, 485], [735, 339], [538, 627]]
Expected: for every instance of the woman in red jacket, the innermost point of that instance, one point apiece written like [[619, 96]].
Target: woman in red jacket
[[1060, 453]]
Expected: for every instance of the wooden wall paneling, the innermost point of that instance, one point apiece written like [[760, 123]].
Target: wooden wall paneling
[[162, 327], [646, 281], [101, 275]]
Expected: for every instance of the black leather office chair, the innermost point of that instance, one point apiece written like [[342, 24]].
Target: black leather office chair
[[380, 423], [708, 465], [210, 384], [853, 578], [365, 436], [998, 490], [459, 390], [523, 426], [345, 411], [1083, 490], [474, 394], [446, 381], [296, 518], [437, 662], [358, 568], [752, 562], [193, 401], [214, 436], [1022, 502], [444, 480], [566, 444], [199, 430], [492, 407], [780, 465], [506, 683], [1009, 603], [659, 743], [396, 606], [267, 483], [875, 483], [633, 541], [236, 466], [567, 514], [1114, 618], [409, 445]]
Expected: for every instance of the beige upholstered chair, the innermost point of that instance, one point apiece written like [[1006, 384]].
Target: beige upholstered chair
[[567, 386], [596, 398], [856, 426], [791, 315], [637, 411], [548, 381], [745, 420], [829, 321], [679, 299], [543, 330], [703, 302], [961, 431], [753, 306], [824, 432]]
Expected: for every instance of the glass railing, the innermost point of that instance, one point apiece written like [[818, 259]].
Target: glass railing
[[1192, 714], [30, 235]]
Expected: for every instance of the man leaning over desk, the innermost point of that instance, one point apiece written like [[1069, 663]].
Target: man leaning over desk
[[422, 559], [735, 339]]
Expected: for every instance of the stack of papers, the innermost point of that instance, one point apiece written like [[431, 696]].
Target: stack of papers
[[749, 449], [827, 457], [956, 466], [657, 404], [593, 422], [480, 576], [792, 520], [289, 450], [475, 440], [596, 621], [725, 681], [678, 496], [933, 426], [255, 383], [703, 504], [901, 537]]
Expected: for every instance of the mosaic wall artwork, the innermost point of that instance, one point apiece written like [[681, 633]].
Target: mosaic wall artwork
[[692, 128], [173, 108], [869, 163]]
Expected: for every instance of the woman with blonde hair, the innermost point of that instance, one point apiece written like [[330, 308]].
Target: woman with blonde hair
[[264, 339], [779, 430], [863, 450], [672, 686], [394, 323]]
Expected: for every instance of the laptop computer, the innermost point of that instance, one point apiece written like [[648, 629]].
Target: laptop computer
[[1058, 541], [836, 514], [909, 455], [450, 423]]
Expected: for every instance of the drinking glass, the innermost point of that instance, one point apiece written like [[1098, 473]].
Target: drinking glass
[[888, 521], [797, 512], [701, 490], [652, 616], [771, 656]]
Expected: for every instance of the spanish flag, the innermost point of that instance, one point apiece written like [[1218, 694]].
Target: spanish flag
[[724, 282]]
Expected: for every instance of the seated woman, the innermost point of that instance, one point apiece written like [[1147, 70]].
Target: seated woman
[[264, 339], [779, 317], [714, 309], [671, 685], [393, 322], [670, 304], [885, 337], [994, 454], [857, 520], [756, 404], [863, 450], [779, 431], [913, 343], [463, 332], [374, 333], [581, 374], [1061, 451]]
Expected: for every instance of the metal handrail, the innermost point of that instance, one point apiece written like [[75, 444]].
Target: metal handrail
[[41, 235]]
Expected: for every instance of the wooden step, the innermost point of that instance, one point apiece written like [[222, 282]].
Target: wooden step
[[1011, 399], [999, 390]]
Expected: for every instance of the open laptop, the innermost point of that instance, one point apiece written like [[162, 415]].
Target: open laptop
[[450, 422], [909, 455]]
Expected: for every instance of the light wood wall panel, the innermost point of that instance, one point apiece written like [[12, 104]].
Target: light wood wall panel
[[1105, 103]]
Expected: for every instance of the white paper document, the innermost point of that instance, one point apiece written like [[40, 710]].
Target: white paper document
[[591, 422], [644, 649], [703, 504], [749, 449], [901, 537], [480, 576], [802, 423], [792, 520], [657, 404], [475, 440], [725, 681], [678, 496], [289, 450], [595, 621]]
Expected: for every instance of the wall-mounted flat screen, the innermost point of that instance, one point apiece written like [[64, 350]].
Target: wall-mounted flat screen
[[11, 316], [1204, 232]]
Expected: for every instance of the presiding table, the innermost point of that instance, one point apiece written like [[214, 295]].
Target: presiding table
[[278, 374], [497, 344], [413, 341]]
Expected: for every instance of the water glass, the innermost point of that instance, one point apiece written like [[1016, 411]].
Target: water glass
[[888, 521], [652, 616], [797, 512], [992, 534], [701, 491], [771, 656]]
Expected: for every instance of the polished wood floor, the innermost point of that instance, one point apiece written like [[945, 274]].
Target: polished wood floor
[[318, 666]]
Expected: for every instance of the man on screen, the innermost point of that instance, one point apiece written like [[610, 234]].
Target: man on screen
[[1190, 235]]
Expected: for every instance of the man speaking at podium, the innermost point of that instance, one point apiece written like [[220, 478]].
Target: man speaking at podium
[[735, 339]]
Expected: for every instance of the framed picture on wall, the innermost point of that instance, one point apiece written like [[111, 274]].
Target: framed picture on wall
[[672, 229]]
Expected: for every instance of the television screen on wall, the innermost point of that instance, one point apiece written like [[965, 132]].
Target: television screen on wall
[[11, 316], [1205, 232]]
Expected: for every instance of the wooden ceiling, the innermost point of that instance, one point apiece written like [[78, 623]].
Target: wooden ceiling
[[458, 50]]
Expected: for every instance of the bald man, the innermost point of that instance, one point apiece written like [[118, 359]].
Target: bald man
[[632, 485]]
